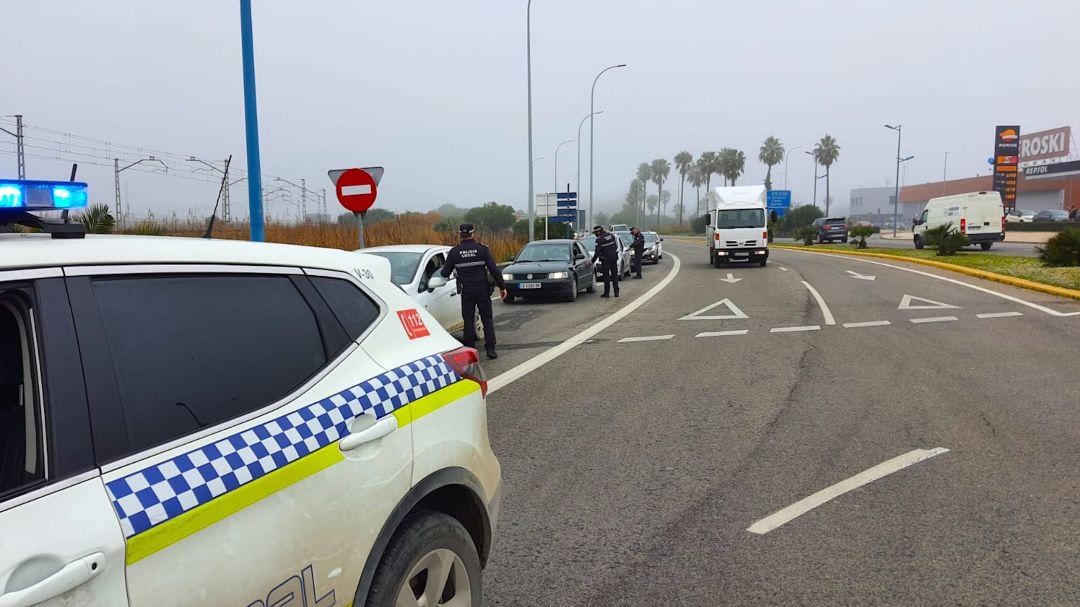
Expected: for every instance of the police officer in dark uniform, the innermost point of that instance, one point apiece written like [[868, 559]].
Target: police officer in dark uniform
[[639, 251], [473, 262], [607, 251]]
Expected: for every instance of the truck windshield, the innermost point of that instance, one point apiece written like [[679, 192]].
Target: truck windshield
[[741, 218]]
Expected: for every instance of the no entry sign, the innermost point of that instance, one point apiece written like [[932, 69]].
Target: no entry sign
[[356, 190]]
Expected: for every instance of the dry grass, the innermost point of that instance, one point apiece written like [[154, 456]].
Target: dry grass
[[415, 228]]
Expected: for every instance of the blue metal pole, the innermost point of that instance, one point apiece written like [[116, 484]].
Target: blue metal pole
[[251, 119]]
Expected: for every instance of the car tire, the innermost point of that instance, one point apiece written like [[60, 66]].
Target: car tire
[[592, 285], [986, 245], [764, 261], [919, 244], [479, 324], [572, 296], [414, 562], [717, 261], [820, 239], [843, 240]]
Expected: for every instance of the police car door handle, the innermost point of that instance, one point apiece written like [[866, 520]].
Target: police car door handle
[[379, 429], [73, 575]]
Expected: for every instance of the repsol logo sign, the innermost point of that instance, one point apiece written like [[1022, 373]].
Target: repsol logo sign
[[1045, 144]]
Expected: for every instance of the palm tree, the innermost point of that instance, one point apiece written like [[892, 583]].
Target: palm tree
[[644, 175], [826, 152], [707, 165], [660, 168], [97, 219], [771, 153], [693, 177], [733, 164], [683, 162]]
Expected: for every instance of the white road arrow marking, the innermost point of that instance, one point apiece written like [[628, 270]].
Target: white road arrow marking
[[861, 276], [735, 312], [928, 304], [730, 279]]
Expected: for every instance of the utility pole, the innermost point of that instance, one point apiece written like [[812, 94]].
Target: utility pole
[[116, 184], [896, 199], [20, 151]]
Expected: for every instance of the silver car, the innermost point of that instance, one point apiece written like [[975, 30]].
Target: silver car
[[623, 260]]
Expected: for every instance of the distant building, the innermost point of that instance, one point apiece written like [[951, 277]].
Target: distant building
[[1031, 194], [871, 204]]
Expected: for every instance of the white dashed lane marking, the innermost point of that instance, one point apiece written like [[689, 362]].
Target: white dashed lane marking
[[869, 323], [723, 333], [795, 329], [920, 321], [999, 315], [628, 340]]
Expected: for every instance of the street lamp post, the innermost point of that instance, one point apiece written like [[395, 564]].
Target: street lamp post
[[532, 217], [816, 177], [251, 124], [787, 156], [556, 190], [592, 129], [581, 124], [528, 61], [896, 198], [116, 183], [945, 173]]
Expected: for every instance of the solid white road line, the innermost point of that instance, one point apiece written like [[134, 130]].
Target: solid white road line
[[507, 377], [723, 333], [628, 340], [920, 321], [999, 315], [795, 329], [829, 320], [870, 475], [783, 268], [869, 323], [1022, 302]]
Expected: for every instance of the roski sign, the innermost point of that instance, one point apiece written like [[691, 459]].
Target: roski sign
[[1044, 145]]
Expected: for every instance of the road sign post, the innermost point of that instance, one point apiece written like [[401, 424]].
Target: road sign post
[[357, 190]]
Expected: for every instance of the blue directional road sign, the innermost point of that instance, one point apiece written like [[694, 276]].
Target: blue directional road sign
[[779, 201], [566, 200], [571, 213]]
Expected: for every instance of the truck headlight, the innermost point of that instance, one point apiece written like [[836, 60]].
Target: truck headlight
[[508, 277], [558, 275]]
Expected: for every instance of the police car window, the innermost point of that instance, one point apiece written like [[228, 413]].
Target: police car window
[[191, 351], [650, 238], [403, 265], [352, 307], [21, 458]]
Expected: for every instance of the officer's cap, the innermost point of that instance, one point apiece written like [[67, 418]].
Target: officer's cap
[[598, 228], [466, 229]]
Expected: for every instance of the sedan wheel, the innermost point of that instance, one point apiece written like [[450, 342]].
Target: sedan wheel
[[573, 290], [479, 324]]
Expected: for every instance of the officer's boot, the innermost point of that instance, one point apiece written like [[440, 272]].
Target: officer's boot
[[491, 353]]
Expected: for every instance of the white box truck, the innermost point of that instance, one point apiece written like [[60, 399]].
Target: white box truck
[[736, 229], [979, 215]]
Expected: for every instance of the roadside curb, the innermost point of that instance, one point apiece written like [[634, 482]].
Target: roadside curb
[[1008, 280]]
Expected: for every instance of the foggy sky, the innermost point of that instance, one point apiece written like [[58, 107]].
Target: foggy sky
[[435, 91]]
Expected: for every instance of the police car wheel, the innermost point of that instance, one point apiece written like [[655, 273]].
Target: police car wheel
[[431, 560]]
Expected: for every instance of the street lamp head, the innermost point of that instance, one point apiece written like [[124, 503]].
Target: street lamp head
[[621, 65], [895, 128], [906, 159]]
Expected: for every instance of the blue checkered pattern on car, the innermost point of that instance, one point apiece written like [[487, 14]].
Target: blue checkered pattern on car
[[163, 491]]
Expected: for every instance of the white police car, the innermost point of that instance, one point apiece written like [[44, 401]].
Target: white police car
[[193, 422]]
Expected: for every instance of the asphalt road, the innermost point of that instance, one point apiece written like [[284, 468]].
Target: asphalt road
[[633, 469], [1000, 248]]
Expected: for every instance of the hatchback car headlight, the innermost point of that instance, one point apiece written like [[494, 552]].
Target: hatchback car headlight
[[558, 275], [508, 277]]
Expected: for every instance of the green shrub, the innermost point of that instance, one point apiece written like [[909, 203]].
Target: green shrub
[[807, 234], [147, 228], [859, 234], [1062, 250], [97, 219], [946, 238]]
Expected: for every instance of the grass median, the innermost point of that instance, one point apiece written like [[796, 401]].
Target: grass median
[[1027, 268]]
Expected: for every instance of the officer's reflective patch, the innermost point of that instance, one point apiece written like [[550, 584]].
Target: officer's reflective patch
[[164, 491], [413, 323]]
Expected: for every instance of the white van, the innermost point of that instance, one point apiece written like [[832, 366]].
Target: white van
[[979, 215], [735, 229]]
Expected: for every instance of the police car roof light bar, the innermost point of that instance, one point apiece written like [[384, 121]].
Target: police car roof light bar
[[18, 197]]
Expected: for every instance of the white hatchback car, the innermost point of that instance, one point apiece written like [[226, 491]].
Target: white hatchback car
[[411, 268], [194, 422]]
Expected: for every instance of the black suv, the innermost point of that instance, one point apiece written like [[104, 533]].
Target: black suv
[[831, 228]]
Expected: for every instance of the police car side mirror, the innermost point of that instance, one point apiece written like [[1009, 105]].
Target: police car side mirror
[[435, 282], [578, 256]]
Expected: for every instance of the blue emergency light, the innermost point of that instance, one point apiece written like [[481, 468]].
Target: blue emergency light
[[33, 195]]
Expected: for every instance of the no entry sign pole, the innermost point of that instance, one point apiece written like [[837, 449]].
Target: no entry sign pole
[[356, 191]]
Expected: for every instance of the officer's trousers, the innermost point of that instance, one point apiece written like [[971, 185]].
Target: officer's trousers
[[473, 299]]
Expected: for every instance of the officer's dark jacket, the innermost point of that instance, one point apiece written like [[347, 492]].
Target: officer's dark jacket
[[639, 243], [607, 247], [472, 261]]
